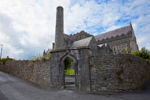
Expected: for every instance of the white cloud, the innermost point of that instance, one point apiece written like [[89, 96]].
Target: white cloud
[[27, 27]]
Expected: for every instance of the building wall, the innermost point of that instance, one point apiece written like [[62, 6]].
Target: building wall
[[37, 72], [79, 36], [111, 73], [133, 44], [121, 43]]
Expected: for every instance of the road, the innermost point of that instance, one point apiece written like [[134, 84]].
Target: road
[[12, 88]]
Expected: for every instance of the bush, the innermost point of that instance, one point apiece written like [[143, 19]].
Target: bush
[[144, 53], [45, 57], [4, 60], [68, 62], [69, 72], [147, 60]]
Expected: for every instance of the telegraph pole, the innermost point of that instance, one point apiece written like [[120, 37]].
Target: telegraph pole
[[1, 45]]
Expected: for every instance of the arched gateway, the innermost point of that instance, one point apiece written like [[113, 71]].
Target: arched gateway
[[80, 64], [69, 64]]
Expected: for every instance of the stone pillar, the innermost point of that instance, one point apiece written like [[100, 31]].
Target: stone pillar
[[59, 32]]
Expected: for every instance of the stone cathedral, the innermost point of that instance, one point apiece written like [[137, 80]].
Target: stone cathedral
[[89, 53], [115, 41], [87, 63]]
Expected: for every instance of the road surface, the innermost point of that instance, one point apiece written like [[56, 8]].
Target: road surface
[[12, 88]]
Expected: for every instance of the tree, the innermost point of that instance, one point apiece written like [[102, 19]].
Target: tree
[[68, 62], [144, 53]]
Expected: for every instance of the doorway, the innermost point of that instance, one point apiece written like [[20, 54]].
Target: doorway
[[69, 73]]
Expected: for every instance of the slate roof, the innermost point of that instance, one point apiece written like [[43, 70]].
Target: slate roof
[[114, 33], [82, 43]]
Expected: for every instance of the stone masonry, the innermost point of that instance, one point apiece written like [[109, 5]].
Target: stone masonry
[[118, 73], [98, 67], [59, 37], [80, 57], [37, 72], [99, 63]]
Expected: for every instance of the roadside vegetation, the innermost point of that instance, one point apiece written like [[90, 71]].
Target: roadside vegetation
[[4, 60], [45, 57], [144, 53]]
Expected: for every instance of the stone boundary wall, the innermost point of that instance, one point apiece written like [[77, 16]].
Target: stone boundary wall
[[114, 73], [37, 72]]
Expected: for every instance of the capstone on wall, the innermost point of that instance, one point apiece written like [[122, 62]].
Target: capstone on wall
[[37, 72], [118, 73]]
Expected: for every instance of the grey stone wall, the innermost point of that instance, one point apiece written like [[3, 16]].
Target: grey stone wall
[[118, 73], [82, 76], [107, 73], [37, 72]]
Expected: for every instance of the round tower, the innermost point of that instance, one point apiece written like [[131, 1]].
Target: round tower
[[59, 32]]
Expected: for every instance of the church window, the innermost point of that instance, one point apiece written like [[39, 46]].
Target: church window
[[114, 50]]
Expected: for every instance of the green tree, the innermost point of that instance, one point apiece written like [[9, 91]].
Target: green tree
[[144, 53], [68, 62], [4, 60]]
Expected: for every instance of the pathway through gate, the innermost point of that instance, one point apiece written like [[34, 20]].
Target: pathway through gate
[[70, 82], [69, 71]]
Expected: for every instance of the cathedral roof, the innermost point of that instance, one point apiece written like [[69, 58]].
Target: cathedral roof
[[82, 43], [117, 32]]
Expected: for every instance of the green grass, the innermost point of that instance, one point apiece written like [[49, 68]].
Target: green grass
[[69, 72], [46, 57]]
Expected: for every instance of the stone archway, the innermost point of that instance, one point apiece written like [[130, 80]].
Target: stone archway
[[82, 70], [69, 80]]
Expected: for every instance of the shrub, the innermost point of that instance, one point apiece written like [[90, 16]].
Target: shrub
[[69, 72], [147, 60], [45, 57], [68, 62], [4, 60], [144, 53]]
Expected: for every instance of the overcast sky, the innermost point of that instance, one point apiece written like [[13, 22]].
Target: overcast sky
[[27, 27]]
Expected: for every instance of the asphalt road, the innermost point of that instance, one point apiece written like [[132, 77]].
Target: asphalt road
[[12, 88]]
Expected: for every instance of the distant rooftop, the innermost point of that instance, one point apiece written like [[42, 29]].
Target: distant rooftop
[[114, 33]]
